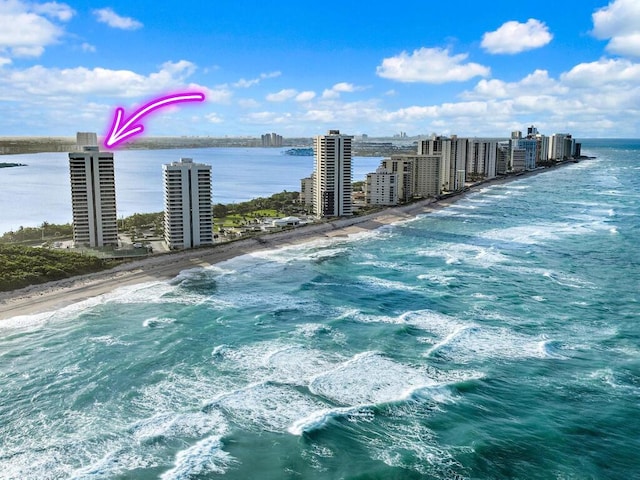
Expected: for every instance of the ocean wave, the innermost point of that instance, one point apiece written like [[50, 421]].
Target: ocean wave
[[168, 425], [384, 284], [319, 418], [265, 406], [459, 253], [206, 456], [158, 322], [368, 378]]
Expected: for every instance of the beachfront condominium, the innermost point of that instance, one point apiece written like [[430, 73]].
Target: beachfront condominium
[[381, 187], [333, 175], [481, 158], [306, 190], [440, 147], [188, 220], [402, 166], [93, 195]]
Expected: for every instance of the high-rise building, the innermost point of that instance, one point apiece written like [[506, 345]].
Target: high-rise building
[[271, 140], [306, 190], [188, 220], [560, 146], [381, 187], [418, 175], [481, 158], [402, 165], [439, 146], [86, 139], [459, 151], [427, 175], [93, 195], [530, 148], [333, 175], [503, 157]]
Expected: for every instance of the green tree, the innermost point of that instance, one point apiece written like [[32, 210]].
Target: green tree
[[220, 210]]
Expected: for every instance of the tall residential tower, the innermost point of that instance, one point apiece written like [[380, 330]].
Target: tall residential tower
[[93, 195], [333, 175], [188, 219]]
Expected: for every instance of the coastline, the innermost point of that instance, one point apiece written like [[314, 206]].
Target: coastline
[[51, 296]]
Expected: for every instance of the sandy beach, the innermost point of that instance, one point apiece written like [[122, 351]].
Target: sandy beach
[[58, 294]]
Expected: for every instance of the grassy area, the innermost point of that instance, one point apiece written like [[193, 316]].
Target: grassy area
[[22, 266], [237, 220]]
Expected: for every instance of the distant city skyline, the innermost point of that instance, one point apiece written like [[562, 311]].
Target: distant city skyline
[[448, 68]]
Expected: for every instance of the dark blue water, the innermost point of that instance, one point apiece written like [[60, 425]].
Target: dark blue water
[[496, 339]]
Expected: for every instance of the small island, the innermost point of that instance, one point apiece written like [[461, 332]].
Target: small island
[[299, 152], [8, 165]]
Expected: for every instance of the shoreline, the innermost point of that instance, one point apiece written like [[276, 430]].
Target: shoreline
[[51, 296]]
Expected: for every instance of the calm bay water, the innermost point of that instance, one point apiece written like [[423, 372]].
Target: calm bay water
[[496, 339], [42, 192]]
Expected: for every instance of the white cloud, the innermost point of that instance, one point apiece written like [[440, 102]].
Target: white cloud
[[305, 96], [430, 65], [87, 47], [538, 81], [345, 87], [248, 103], [620, 22], [48, 82], [338, 88], [242, 83], [214, 118], [25, 29], [56, 10], [282, 95], [330, 93], [111, 18], [268, 118], [515, 37], [616, 73]]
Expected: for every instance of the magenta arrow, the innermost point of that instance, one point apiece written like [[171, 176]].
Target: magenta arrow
[[120, 132]]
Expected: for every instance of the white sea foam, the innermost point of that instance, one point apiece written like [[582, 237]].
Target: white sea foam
[[114, 463], [556, 277], [206, 456], [382, 284], [267, 406], [154, 292], [178, 390], [368, 379], [310, 330], [438, 277], [471, 343], [172, 425], [158, 322], [320, 418], [414, 446], [540, 233], [550, 349], [109, 340], [36, 321], [278, 362], [458, 253]]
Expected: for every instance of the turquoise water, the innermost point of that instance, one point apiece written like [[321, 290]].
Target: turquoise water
[[498, 338]]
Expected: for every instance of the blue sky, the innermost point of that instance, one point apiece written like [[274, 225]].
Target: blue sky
[[300, 68]]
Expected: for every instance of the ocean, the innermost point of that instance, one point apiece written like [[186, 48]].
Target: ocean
[[43, 191], [498, 338]]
